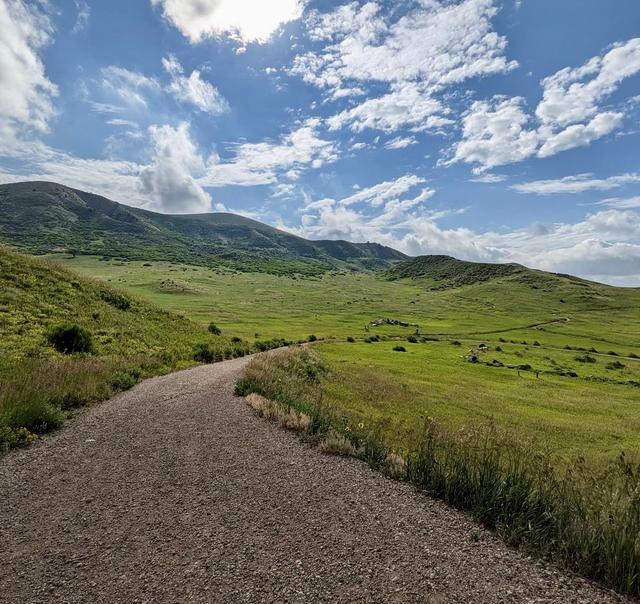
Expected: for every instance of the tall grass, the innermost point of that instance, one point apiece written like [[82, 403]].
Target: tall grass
[[585, 518], [36, 395]]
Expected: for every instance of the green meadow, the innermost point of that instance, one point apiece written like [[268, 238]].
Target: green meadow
[[561, 367]]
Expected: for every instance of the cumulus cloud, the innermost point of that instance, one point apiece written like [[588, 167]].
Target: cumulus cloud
[[27, 98], [170, 180], [406, 105], [433, 46], [246, 20], [568, 116], [496, 133], [572, 95], [193, 89], [262, 163], [576, 184]]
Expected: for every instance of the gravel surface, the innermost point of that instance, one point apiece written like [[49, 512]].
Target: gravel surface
[[176, 492]]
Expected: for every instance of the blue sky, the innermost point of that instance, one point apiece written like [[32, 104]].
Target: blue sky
[[495, 130]]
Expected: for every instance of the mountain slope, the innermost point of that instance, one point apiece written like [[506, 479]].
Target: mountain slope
[[42, 217]]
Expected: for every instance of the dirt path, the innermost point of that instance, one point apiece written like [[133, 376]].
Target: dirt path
[[176, 492]]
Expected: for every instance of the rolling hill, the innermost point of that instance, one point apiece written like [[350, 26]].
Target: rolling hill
[[44, 217]]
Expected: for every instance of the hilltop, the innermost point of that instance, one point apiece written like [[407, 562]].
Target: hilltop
[[444, 272], [44, 217]]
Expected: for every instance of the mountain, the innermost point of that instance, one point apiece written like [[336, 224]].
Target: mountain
[[44, 217]]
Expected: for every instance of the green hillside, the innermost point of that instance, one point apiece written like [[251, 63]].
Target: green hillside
[[42, 217], [123, 339]]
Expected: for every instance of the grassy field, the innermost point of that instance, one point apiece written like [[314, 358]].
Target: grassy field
[[556, 326], [567, 416], [558, 312]]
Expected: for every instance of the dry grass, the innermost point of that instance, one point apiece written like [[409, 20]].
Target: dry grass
[[290, 420], [336, 444], [395, 466]]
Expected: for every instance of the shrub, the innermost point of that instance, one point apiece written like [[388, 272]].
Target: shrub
[[633, 355], [125, 379], [115, 299], [456, 343], [498, 348], [203, 353], [615, 365], [612, 353], [585, 359], [214, 329], [412, 339], [399, 349], [336, 444], [70, 338], [312, 338], [236, 340], [351, 339], [536, 343]]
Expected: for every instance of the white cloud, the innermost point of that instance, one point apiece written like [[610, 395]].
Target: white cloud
[[169, 181], [246, 20], [383, 192], [405, 105], [620, 203], [434, 46], [572, 94], [262, 163], [400, 142], [576, 184], [26, 100], [489, 178], [579, 135], [193, 89], [496, 133], [568, 116], [127, 88], [82, 19]]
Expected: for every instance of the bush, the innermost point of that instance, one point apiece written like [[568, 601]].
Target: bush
[[312, 338], [412, 339], [615, 365], [125, 379], [236, 340], [399, 349], [116, 300], [456, 343], [351, 339], [203, 353], [70, 338], [214, 329], [498, 348], [585, 359]]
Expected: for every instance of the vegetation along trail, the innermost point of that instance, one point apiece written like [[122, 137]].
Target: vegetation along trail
[[176, 491]]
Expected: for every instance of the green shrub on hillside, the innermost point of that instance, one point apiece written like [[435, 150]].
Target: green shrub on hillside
[[70, 338], [214, 329]]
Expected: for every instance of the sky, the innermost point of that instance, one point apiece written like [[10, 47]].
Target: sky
[[489, 130]]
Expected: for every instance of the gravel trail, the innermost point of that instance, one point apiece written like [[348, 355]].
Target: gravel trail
[[176, 492]]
